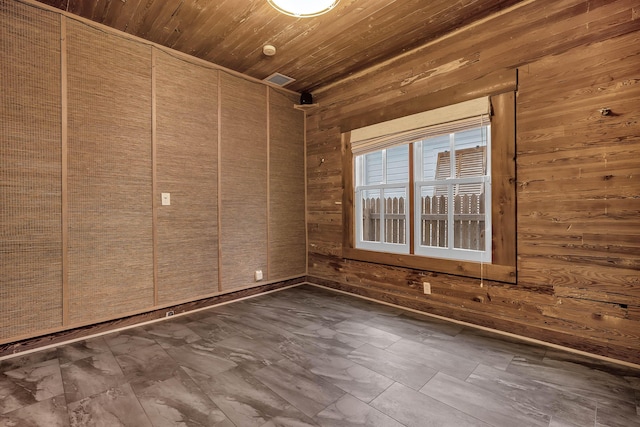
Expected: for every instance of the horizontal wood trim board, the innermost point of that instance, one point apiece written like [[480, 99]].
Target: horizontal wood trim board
[[54, 337], [491, 84], [419, 50], [497, 273]]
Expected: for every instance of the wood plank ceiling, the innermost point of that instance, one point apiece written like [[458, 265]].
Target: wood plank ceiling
[[315, 51]]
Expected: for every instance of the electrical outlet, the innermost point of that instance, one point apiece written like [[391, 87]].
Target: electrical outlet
[[258, 275], [169, 313], [427, 288]]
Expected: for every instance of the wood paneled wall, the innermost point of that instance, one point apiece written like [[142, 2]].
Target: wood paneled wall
[[95, 125], [578, 226]]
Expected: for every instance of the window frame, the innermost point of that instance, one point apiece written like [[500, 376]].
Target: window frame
[[451, 252], [382, 246], [503, 266]]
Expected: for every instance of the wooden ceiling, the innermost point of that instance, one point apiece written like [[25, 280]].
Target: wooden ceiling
[[315, 51]]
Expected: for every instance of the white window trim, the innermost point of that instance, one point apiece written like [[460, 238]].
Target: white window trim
[[382, 246], [415, 128], [451, 252]]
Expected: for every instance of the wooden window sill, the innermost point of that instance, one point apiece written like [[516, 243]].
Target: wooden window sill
[[498, 273]]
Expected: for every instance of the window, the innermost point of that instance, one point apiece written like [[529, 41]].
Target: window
[[436, 191], [453, 195], [450, 200], [381, 200]]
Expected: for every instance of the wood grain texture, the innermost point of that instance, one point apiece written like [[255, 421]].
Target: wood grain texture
[[498, 44], [348, 186], [577, 206], [577, 209], [503, 179], [110, 207], [187, 166], [231, 33], [497, 272], [287, 243], [561, 333], [243, 186], [30, 171], [503, 265], [494, 83]]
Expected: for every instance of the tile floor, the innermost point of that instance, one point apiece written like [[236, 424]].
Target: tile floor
[[307, 356]]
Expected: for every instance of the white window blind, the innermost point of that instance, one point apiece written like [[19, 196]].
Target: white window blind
[[450, 119]]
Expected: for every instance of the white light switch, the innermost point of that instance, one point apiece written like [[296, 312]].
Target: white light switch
[[166, 199], [258, 275]]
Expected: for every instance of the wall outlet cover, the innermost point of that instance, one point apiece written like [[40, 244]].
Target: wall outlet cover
[[427, 288]]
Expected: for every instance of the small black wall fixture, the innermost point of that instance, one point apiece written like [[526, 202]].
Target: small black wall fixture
[[306, 98]]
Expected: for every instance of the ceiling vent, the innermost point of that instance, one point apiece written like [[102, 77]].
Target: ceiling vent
[[279, 79]]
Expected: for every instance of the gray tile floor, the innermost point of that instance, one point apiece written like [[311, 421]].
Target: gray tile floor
[[307, 356]]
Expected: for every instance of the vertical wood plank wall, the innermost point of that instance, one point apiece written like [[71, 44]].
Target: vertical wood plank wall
[[140, 119], [187, 167], [243, 186], [30, 186], [578, 227]]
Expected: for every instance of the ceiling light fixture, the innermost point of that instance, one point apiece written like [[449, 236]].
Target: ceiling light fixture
[[303, 8]]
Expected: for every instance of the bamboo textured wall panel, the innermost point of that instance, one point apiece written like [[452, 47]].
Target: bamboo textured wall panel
[[243, 181], [30, 159], [186, 167], [287, 240], [578, 258], [110, 248]]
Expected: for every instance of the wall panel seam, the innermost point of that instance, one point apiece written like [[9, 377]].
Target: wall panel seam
[[154, 182], [219, 179], [306, 195], [268, 98], [64, 170], [126, 36]]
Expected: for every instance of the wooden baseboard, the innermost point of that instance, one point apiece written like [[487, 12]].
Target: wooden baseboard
[[30, 345], [546, 338]]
